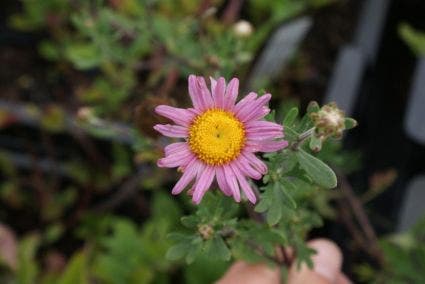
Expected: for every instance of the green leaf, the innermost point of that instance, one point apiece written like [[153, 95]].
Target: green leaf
[[290, 117], [350, 123], [262, 206], [286, 185], [83, 56], [27, 265], [315, 144], [414, 38], [218, 249], [178, 251], [319, 172], [275, 212], [194, 249], [76, 270], [190, 221], [313, 107]]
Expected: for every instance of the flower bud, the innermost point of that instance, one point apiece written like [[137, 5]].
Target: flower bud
[[206, 231], [329, 121]]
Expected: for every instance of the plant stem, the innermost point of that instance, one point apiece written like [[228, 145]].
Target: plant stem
[[301, 139]]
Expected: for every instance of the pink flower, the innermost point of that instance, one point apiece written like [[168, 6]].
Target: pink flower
[[220, 138]]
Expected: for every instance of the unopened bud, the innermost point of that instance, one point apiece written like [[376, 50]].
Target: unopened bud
[[206, 231], [329, 121]]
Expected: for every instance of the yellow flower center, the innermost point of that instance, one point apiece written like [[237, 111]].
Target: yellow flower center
[[216, 137]]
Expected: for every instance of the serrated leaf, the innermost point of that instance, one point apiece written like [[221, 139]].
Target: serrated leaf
[[319, 172], [290, 117]]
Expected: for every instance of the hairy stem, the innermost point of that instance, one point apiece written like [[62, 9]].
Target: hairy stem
[[302, 138]]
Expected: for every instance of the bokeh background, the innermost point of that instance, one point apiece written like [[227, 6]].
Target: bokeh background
[[81, 199]]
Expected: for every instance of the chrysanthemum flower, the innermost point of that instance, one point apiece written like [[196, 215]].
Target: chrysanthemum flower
[[220, 139]]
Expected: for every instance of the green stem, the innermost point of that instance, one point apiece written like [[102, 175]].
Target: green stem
[[301, 138]]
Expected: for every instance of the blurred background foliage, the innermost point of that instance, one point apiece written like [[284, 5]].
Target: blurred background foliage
[[97, 209]]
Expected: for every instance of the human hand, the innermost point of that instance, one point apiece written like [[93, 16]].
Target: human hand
[[327, 269]]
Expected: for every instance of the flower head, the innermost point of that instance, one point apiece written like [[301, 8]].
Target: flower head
[[221, 138], [329, 121]]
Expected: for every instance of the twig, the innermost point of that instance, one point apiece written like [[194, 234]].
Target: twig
[[362, 219], [232, 11], [127, 190]]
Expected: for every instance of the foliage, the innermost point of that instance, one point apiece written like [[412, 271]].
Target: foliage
[[117, 54], [405, 258], [415, 39], [118, 41]]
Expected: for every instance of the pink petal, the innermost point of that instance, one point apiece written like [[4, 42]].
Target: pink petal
[[232, 182], [231, 94], [203, 184], [199, 93], [244, 185], [194, 92], [171, 130], [246, 168], [175, 147], [262, 124], [259, 114], [188, 175], [256, 163], [218, 89], [266, 145], [246, 101], [222, 183], [206, 98], [213, 85], [250, 111], [263, 135], [176, 160], [177, 115]]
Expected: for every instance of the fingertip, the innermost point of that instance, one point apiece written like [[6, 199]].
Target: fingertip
[[328, 259]]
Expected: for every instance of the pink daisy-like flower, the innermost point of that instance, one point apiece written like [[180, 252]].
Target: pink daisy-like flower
[[221, 138]]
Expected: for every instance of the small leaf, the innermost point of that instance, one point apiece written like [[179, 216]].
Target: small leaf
[[286, 184], [415, 39], [321, 173], [195, 247], [313, 107], [219, 248], [83, 56], [315, 144], [178, 251], [290, 116], [275, 212], [76, 271], [262, 206], [350, 123], [189, 221]]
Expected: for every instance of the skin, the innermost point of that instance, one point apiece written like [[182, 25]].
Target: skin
[[327, 269]]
